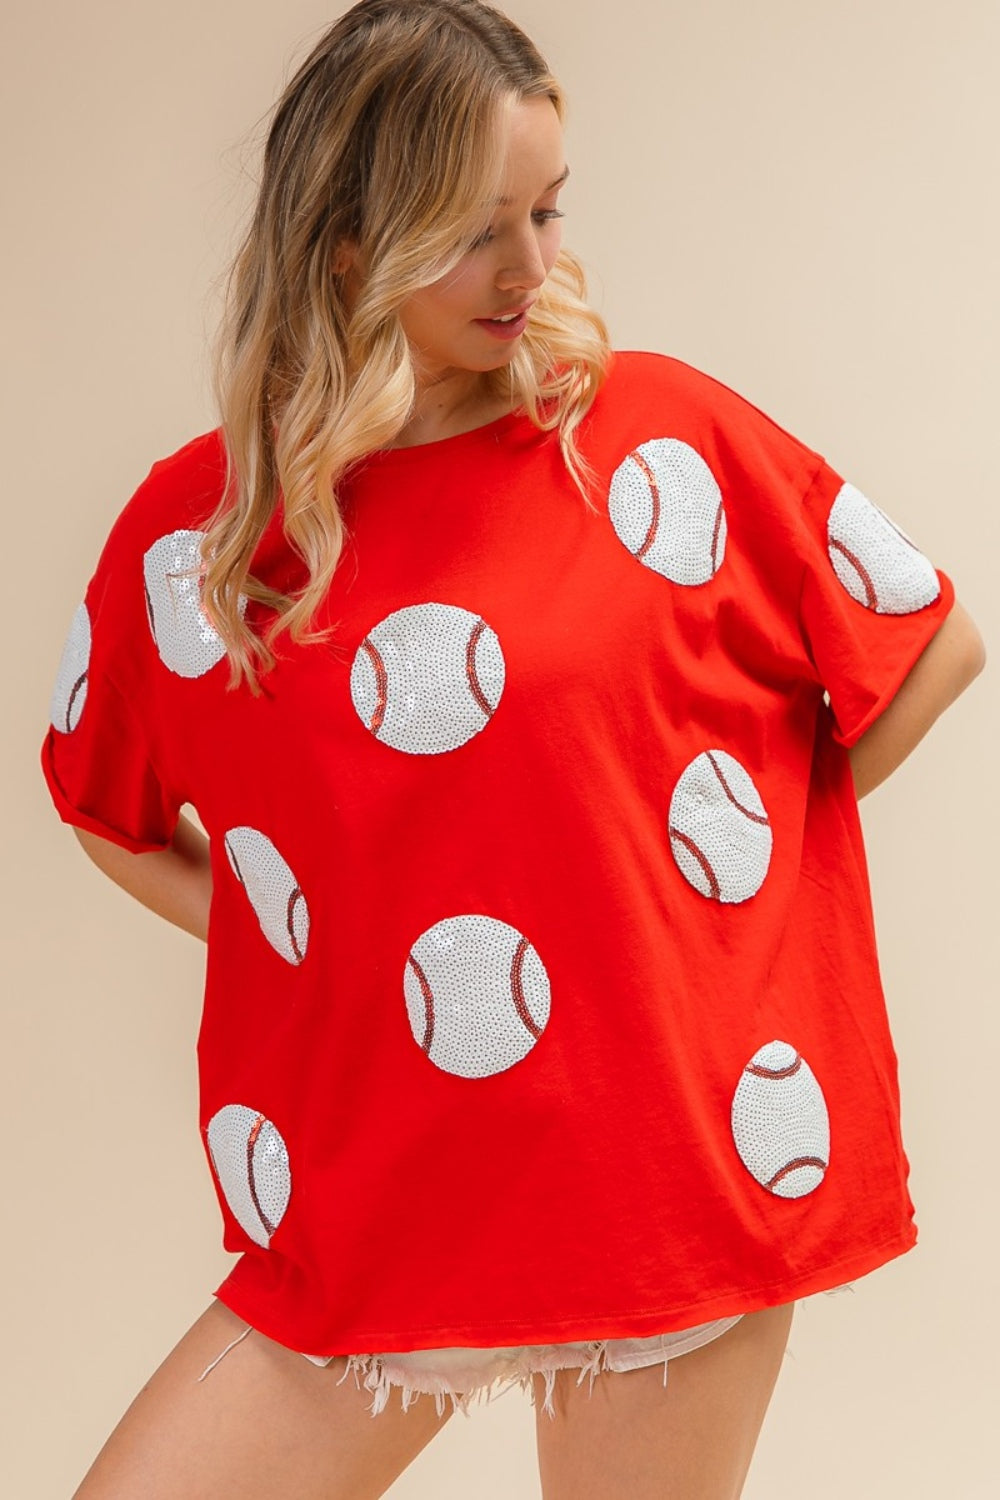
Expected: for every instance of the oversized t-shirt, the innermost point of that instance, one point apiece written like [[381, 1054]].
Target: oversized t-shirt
[[542, 995]]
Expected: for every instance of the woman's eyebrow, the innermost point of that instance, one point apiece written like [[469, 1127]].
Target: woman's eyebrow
[[506, 202]]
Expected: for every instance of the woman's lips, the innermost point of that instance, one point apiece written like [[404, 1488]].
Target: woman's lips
[[505, 330]]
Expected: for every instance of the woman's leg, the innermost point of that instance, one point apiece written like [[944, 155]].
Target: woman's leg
[[631, 1439], [264, 1424]]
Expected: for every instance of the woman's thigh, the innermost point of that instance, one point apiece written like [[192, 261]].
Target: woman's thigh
[[264, 1424], [630, 1439]]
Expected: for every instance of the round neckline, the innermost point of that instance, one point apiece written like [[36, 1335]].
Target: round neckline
[[470, 438]]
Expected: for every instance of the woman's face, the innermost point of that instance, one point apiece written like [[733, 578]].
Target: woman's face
[[508, 269], [504, 271]]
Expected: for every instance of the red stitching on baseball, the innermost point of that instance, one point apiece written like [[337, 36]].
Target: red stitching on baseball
[[428, 999], [650, 536], [517, 987], [799, 1161], [692, 847], [295, 896], [72, 699], [203, 609], [760, 1071], [381, 685], [872, 599], [470, 669], [233, 862], [255, 1130], [715, 538], [754, 817], [149, 609]]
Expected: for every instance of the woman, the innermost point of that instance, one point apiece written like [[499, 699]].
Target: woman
[[543, 1032]]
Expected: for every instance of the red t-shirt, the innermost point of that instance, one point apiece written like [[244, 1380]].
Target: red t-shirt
[[542, 997]]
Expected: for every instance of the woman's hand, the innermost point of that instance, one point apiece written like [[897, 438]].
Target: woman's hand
[[955, 655], [175, 882]]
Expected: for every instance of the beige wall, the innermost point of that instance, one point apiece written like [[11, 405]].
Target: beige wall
[[799, 199]]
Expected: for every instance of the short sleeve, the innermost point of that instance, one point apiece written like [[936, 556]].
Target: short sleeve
[[98, 766], [870, 600], [99, 755], [830, 576]]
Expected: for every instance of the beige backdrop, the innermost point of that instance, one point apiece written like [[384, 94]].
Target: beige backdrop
[[799, 199]]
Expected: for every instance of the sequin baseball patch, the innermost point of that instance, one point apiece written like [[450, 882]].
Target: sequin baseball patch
[[173, 578], [251, 1162], [427, 678], [666, 506], [720, 833], [272, 890], [877, 563], [70, 691], [477, 995], [780, 1122]]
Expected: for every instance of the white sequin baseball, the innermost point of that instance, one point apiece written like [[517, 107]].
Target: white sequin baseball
[[666, 506], [427, 678], [477, 995], [251, 1162], [172, 577], [70, 691], [780, 1122], [272, 890], [720, 833], [877, 563]]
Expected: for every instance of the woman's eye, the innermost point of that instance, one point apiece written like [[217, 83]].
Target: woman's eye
[[542, 217]]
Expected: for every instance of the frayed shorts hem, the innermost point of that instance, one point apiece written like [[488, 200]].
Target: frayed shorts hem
[[467, 1375]]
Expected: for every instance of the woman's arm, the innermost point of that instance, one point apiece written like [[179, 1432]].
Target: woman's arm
[[175, 882], [955, 655]]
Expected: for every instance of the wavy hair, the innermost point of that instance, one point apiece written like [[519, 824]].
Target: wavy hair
[[386, 138]]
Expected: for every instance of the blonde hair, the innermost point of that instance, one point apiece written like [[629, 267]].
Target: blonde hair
[[385, 137]]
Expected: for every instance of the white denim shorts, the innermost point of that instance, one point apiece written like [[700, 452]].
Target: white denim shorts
[[463, 1375]]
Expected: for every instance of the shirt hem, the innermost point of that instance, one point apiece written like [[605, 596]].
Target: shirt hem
[[641, 1322]]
